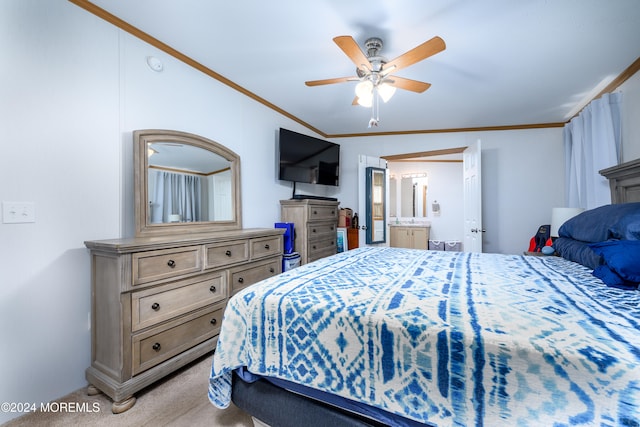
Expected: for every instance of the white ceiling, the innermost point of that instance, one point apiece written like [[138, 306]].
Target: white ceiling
[[507, 62]]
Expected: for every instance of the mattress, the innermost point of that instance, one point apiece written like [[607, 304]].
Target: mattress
[[445, 338]]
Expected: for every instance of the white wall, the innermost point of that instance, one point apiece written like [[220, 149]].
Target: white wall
[[73, 89], [58, 148]]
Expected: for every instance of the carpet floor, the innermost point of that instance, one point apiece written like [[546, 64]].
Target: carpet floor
[[178, 400]]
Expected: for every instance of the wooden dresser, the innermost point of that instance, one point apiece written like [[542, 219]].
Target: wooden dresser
[[157, 302], [315, 223]]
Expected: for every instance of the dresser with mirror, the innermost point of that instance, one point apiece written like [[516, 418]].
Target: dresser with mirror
[[158, 298]]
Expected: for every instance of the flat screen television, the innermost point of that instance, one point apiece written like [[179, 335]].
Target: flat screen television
[[306, 159]]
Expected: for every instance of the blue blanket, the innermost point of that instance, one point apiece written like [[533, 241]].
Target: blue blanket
[[447, 338]]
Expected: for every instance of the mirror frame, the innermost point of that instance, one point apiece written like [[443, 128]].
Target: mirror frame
[[141, 187]]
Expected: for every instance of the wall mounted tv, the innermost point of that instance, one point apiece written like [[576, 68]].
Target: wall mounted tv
[[306, 159]]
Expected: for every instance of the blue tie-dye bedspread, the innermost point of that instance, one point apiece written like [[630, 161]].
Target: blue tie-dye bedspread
[[446, 338]]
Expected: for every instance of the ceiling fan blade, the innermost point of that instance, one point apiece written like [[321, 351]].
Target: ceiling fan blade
[[330, 81], [425, 50], [408, 84], [353, 51]]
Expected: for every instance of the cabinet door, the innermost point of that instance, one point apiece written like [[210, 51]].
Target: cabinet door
[[420, 238], [400, 237]]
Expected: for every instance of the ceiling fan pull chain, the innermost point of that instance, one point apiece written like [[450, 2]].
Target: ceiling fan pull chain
[[375, 110]]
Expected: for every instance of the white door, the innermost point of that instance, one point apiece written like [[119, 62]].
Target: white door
[[222, 200], [472, 198], [363, 163]]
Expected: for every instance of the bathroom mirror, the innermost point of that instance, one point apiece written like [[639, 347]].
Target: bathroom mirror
[[408, 195], [184, 183], [393, 196], [413, 196]]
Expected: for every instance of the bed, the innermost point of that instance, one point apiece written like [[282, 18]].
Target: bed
[[388, 336]]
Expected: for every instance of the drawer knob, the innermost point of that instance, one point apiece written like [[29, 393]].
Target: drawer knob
[[314, 246], [171, 263], [228, 253], [212, 289], [272, 270], [156, 346], [155, 306], [266, 246], [213, 321], [315, 212], [313, 231], [240, 280]]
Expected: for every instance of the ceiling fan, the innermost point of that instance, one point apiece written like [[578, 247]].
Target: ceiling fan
[[375, 72]]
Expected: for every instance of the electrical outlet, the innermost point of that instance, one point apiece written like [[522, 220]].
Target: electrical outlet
[[18, 212]]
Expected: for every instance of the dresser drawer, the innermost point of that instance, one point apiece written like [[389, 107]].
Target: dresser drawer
[[241, 277], [322, 254], [158, 304], [323, 230], [321, 248], [162, 264], [319, 213], [159, 344], [222, 254], [265, 247]]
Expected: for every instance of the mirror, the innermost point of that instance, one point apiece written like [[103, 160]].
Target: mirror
[[375, 209], [413, 200], [184, 183], [393, 196], [408, 195]]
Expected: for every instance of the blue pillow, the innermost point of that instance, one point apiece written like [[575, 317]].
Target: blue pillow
[[621, 221], [622, 258], [611, 278], [576, 251], [627, 228]]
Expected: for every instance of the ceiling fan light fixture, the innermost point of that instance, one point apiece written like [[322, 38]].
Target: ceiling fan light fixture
[[364, 89], [366, 101], [386, 91]]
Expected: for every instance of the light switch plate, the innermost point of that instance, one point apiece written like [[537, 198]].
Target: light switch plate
[[18, 212]]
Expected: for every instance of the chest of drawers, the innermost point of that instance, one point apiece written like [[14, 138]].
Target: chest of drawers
[[315, 225], [158, 302]]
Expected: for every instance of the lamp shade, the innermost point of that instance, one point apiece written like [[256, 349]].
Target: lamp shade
[[366, 101], [364, 89], [364, 92], [386, 91], [561, 215]]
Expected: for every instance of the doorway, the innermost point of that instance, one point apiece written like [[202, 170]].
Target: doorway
[[449, 216]]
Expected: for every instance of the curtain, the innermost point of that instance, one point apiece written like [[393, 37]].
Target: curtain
[[592, 143], [176, 194]]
